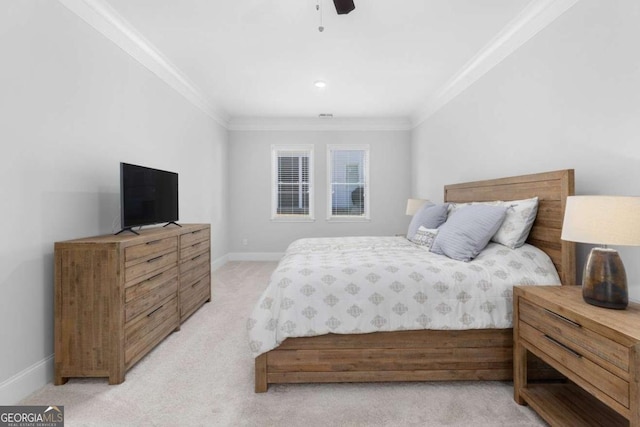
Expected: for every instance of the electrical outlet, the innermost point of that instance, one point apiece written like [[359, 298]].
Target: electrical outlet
[[245, 242]]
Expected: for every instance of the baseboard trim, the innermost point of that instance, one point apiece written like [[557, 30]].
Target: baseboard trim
[[219, 262], [255, 256], [22, 384]]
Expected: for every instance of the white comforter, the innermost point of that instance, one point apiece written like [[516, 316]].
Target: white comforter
[[368, 284]]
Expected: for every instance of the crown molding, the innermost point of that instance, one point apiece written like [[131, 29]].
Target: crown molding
[[318, 124], [106, 20], [534, 17]]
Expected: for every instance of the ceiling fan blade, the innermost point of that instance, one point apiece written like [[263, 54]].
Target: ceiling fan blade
[[344, 6]]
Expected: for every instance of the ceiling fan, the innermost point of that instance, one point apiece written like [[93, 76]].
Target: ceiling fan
[[344, 6]]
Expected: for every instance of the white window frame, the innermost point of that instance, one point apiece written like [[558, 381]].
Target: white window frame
[[275, 150], [367, 188]]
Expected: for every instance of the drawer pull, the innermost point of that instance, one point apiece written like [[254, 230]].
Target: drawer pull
[[150, 314], [153, 242], [155, 259], [196, 257], [564, 347], [556, 315], [195, 232], [196, 244], [153, 277], [194, 285]]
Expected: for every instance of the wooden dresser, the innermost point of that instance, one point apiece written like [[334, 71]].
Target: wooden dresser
[[597, 349], [117, 297]]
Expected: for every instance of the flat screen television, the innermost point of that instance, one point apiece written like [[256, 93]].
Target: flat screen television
[[147, 196]]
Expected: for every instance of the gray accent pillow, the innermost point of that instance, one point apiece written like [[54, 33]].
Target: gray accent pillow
[[428, 216], [468, 230]]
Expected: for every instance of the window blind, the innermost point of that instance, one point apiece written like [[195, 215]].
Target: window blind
[[348, 182], [292, 185]]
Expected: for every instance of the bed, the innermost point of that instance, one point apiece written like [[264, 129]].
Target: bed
[[481, 353]]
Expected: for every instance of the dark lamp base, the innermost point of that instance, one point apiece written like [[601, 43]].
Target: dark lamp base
[[604, 282]]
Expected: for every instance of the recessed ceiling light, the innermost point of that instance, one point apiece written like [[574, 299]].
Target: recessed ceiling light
[[320, 84]]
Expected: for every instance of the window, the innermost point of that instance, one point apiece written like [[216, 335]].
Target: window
[[292, 182], [348, 185]]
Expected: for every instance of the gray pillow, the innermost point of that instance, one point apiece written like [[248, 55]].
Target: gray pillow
[[467, 231], [428, 216]]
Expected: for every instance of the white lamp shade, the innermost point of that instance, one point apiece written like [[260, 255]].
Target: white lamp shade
[[608, 220], [414, 204]]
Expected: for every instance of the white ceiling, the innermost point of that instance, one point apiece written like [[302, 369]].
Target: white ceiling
[[260, 58]]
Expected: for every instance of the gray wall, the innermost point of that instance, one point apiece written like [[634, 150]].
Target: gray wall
[[568, 98], [250, 190], [73, 105]]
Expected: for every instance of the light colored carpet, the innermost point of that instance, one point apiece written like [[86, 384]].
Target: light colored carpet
[[203, 375]]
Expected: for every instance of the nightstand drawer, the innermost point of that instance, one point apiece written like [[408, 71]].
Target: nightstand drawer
[[599, 349], [573, 357]]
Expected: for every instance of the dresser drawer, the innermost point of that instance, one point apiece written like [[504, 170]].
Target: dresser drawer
[[148, 250], [193, 294], [150, 292], [577, 359], [196, 236], [193, 250], [150, 267], [149, 328], [194, 268], [601, 350]]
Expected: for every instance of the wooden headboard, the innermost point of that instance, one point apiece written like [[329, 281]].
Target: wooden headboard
[[552, 189]]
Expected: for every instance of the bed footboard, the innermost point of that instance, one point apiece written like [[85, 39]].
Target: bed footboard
[[389, 356]]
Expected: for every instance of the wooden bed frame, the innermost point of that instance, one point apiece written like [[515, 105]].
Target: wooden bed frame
[[431, 355]]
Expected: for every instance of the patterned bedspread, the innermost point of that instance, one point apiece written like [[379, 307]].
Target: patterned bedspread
[[368, 284]]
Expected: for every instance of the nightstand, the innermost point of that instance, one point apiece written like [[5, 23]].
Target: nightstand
[[596, 349]]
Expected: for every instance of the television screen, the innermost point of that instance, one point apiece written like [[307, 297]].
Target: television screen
[[147, 196]]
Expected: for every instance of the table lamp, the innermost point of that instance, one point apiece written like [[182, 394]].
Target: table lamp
[[603, 220], [413, 205]]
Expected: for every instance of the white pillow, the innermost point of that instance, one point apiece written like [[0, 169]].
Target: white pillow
[[517, 224]]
